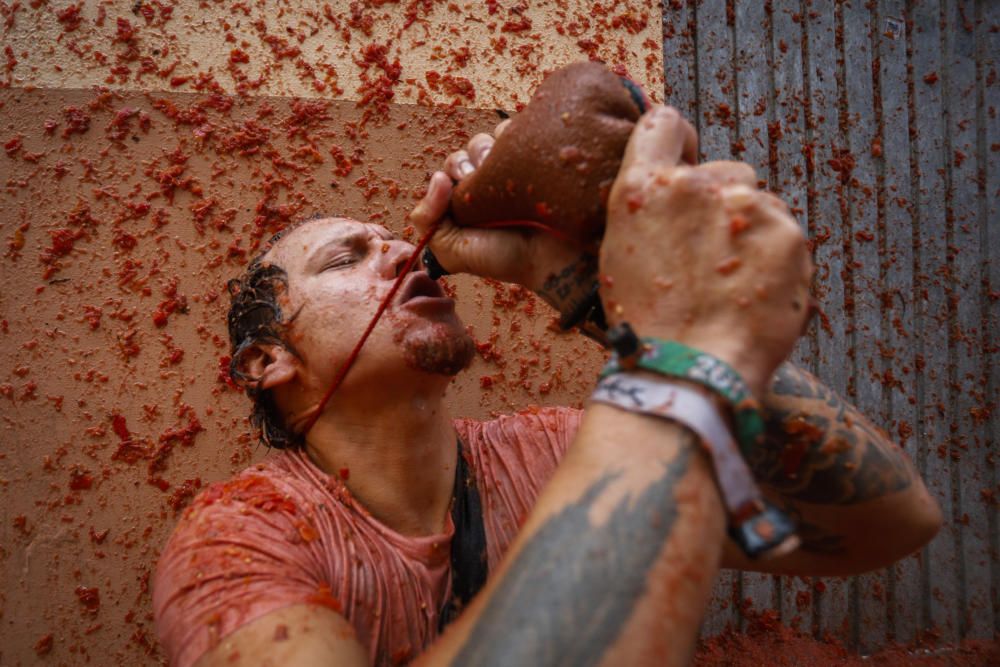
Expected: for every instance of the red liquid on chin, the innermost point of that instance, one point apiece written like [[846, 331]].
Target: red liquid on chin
[[346, 366]]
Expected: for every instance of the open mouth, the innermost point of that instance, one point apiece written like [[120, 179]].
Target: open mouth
[[419, 289]]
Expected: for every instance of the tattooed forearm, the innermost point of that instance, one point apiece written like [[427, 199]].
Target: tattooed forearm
[[819, 449], [570, 590], [815, 539], [566, 289]]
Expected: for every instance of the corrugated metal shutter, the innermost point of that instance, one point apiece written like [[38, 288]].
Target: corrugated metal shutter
[[878, 122]]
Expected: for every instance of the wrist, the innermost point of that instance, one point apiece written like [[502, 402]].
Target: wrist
[[740, 356], [673, 359], [721, 406], [759, 528], [574, 292], [569, 286]]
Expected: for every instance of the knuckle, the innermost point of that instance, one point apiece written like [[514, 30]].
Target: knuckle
[[662, 115], [741, 171], [455, 158], [727, 172], [480, 141], [691, 183], [793, 236], [740, 196], [668, 111], [775, 201], [633, 180], [481, 137], [793, 226], [684, 178]]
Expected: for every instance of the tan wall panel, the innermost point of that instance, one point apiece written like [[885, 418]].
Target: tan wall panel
[[84, 345], [487, 55], [111, 197]]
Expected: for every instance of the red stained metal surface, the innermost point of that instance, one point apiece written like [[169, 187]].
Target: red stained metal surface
[[878, 124]]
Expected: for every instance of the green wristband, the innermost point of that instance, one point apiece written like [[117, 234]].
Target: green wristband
[[674, 359]]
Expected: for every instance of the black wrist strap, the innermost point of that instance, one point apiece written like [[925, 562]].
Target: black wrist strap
[[588, 310], [469, 567]]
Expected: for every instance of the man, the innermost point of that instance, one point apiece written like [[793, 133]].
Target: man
[[603, 530]]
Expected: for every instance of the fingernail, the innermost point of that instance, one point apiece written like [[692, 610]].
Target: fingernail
[[465, 168]]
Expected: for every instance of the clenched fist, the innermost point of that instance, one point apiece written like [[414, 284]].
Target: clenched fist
[[699, 255], [514, 255]]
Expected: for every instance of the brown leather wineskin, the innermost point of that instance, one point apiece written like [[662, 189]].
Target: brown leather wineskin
[[554, 165]]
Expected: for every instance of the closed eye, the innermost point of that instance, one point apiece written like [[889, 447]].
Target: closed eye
[[341, 260]]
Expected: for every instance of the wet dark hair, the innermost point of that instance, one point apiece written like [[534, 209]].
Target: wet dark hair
[[256, 317]]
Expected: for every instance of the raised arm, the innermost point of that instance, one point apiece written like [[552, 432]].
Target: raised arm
[[631, 513], [626, 537], [617, 559], [843, 478], [859, 501]]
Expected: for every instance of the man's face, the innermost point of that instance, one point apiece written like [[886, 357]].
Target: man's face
[[339, 270]]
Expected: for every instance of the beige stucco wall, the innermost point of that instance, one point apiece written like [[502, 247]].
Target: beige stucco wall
[[148, 146]]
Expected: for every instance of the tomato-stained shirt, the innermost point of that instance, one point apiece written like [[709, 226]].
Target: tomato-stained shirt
[[283, 532]]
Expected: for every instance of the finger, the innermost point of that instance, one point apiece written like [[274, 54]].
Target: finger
[[490, 253], [479, 147], [661, 138], [434, 205], [690, 153], [728, 172], [776, 202], [501, 127], [751, 208], [780, 232], [458, 165], [740, 198], [752, 212], [805, 303], [778, 211]]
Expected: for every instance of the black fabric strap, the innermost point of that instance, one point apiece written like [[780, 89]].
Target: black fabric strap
[[638, 96], [469, 567], [432, 265]]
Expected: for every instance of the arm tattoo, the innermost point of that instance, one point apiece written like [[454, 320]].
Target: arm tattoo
[[573, 586], [819, 449], [819, 541], [815, 539], [566, 289]]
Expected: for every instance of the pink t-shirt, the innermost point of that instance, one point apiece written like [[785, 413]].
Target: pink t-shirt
[[283, 532]]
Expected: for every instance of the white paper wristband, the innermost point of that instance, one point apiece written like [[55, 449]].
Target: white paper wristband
[[683, 404]]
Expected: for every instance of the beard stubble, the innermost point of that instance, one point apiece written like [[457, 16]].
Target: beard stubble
[[436, 347]]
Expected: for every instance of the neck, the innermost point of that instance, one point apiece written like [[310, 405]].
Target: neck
[[396, 453]]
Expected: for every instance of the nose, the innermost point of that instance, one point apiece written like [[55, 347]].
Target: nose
[[392, 256]]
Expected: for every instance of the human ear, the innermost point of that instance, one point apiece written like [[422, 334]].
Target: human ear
[[267, 365]]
